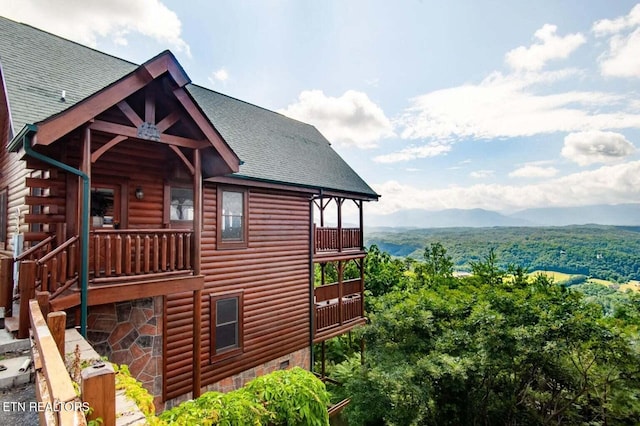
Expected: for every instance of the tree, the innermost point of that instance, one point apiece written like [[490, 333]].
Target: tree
[[493, 351], [438, 266]]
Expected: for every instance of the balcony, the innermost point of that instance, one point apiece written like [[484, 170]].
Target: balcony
[[337, 243], [338, 308], [135, 254]]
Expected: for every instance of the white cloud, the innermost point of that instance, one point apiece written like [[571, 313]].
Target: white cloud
[[222, 75], [607, 185], [351, 119], [505, 106], [596, 147], [414, 152], [85, 21], [612, 26], [622, 58], [482, 174], [550, 46], [533, 171]]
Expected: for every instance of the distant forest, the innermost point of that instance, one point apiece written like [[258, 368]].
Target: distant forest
[[607, 252]]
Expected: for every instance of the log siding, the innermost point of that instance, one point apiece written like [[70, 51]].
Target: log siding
[[273, 273]]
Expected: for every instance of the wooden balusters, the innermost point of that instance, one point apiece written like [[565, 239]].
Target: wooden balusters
[[122, 253]]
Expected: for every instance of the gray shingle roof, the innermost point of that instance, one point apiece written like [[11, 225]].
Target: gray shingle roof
[[38, 66]]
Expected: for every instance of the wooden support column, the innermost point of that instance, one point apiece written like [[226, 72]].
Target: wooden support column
[[361, 211], [340, 290], [197, 295], [27, 284], [323, 355], [339, 202], [6, 285], [361, 264], [197, 314]]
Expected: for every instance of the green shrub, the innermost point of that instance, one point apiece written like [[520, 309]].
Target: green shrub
[[286, 397]]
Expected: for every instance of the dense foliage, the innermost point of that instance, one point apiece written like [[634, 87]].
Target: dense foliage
[[496, 348], [606, 252], [286, 397]]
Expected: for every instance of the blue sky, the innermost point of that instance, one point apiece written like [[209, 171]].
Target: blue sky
[[499, 105]]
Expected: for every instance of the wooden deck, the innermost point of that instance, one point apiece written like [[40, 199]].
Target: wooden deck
[[339, 307], [327, 242]]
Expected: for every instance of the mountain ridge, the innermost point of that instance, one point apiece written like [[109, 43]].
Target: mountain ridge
[[601, 214]]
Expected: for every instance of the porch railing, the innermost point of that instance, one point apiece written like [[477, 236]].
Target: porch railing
[[338, 303], [126, 254], [337, 239], [56, 271]]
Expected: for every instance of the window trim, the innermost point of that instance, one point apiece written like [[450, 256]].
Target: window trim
[[232, 244], [166, 214], [229, 352]]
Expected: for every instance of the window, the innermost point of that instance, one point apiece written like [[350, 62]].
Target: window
[[232, 218], [226, 325], [105, 206], [181, 205]]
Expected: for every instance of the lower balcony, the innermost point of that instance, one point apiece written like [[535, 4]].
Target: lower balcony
[[339, 307], [123, 264]]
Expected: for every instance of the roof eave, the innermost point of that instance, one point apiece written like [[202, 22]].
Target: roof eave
[[313, 188]]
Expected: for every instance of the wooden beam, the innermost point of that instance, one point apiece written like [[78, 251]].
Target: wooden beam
[[106, 147], [149, 105], [227, 154], [168, 121], [111, 293], [184, 159], [58, 379], [59, 125], [133, 117], [167, 63], [132, 132]]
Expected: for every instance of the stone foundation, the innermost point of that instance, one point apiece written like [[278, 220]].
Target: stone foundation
[[300, 358], [131, 333]]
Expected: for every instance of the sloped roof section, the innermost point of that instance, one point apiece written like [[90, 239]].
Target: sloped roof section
[[38, 66], [276, 148]]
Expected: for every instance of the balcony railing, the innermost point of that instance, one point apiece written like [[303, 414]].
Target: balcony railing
[[337, 304], [129, 254], [337, 239]]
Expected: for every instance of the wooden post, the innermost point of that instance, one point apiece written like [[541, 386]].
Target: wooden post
[[362, 286], [322, 369], [27, 284], [197, 314], [339, 202], [197, 295], [99, 391], [340, 290], [43, 301], [361, 211], [6, 285], [57, 323]]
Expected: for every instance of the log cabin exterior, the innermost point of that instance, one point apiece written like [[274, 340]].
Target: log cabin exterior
[[181, 227]]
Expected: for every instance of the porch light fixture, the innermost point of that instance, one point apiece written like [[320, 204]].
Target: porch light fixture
[[139, 193]]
